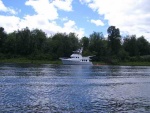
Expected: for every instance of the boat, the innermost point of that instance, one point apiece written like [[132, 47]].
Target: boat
[[77, 59]]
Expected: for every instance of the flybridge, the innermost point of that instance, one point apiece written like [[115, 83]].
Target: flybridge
[[79, 51]]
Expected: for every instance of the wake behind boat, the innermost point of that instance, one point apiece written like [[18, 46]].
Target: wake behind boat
[[77, 59]]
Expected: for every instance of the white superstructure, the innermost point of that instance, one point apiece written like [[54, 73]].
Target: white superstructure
[[77, 59]]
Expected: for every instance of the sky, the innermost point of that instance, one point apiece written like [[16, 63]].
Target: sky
[[82, 17]]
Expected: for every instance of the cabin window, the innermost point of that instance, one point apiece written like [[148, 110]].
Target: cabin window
[[84, 60]]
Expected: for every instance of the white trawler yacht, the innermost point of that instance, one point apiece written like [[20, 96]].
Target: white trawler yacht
[[77, 59]]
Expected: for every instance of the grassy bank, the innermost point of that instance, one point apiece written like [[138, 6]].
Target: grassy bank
[[134, 63], [100, 63], [124, 63], [25, 60]]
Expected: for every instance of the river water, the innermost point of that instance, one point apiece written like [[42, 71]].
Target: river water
[[73, 89]]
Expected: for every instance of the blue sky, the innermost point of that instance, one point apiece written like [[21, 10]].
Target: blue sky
[[79, 16]]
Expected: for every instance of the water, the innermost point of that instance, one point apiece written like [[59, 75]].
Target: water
[[73, 89]]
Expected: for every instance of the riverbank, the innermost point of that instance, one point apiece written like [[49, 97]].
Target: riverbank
[[25, 60], [124, 63], [134, 64]]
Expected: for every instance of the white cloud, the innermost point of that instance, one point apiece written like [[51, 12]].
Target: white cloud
[[85, 1], [70, 26], [10, 23], [63, 4], [3, 8], [34, 21], [43, 8], [64, 19], [49, 9], [97, 22], [131, 16], [46, 14]]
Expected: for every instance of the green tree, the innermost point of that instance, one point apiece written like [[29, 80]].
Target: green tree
[[114, 40], [130, 45], [23, 42], [85, 43], [143, 46], [73, 42], [38, 40], [63, 44], [97, 44], [10, 46], [3, 37]]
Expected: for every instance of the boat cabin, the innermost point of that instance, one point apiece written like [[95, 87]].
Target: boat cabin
[[80, 58]]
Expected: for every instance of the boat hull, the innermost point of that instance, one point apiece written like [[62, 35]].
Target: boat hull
[[75, 62]]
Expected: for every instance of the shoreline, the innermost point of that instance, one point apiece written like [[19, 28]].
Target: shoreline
[[124, 64], [27, 61], [24, 60]]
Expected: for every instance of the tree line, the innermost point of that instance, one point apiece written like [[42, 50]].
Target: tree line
[[36, 45]]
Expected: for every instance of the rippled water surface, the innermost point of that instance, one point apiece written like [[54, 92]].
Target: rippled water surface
[[86, 89]]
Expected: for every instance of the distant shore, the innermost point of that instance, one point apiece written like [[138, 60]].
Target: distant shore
[[125, 63], [24, 60]]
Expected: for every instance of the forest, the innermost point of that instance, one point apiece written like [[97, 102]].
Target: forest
[[36, 45]]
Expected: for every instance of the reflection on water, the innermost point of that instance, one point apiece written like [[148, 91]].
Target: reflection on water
[[59, 88]]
